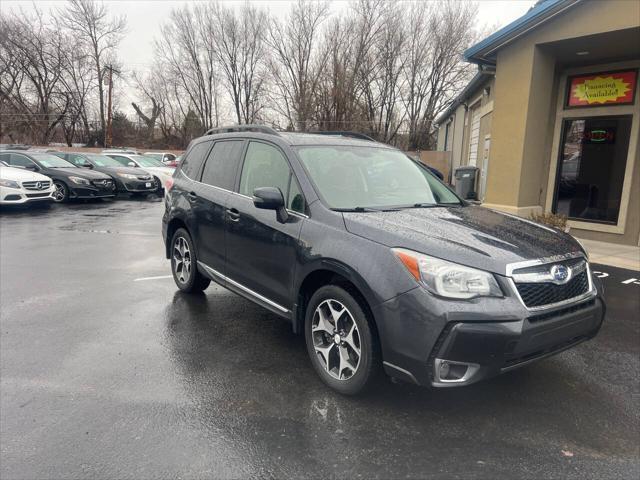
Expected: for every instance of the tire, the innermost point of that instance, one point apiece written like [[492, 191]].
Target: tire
[[327, 304], [186, 274], [61, 194]]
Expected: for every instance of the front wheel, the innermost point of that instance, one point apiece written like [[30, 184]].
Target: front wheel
[[61, 192], [341, 341], [184, 264]]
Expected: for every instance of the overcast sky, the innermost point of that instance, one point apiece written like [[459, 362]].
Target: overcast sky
[[144, 18]]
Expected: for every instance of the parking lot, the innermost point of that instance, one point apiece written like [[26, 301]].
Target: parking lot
[[107, 371]]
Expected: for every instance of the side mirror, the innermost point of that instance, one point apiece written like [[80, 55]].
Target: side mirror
[[33, 168], [270, 198], [131, 164], [86, 165]]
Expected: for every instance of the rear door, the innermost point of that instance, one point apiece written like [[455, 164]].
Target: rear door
[[262, 252], [210, 198]]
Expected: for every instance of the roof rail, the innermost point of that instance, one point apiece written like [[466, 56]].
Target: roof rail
[[360, 136], [243, 128]]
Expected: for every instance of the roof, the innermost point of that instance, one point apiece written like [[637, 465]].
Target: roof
[[476, 82], [484, 52], [300, 138]]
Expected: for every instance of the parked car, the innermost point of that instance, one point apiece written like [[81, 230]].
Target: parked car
[[167, 158], [126, 179], [131, 151], [399, 274], [69, 181], [161, 173], [19, 186]]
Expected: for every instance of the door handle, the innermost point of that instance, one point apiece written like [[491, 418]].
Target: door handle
[[233, 214], [192, 196]]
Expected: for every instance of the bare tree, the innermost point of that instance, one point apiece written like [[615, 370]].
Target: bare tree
[[33, 65], [146, 86], [186, 54], [240, 51], [92, 25], [298, 61], [434, 70]]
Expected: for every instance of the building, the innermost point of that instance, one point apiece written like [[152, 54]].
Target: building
[[551, 119]]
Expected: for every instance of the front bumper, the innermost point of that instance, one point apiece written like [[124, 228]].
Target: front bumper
[[443, 343], [140, 186], [13, 196], [91, 191]]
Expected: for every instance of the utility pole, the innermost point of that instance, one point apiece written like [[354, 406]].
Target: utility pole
[[108, 135]]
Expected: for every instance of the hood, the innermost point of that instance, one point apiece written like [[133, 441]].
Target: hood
[[21, 175], [160, 170], [138, 172], [79, 172], [472, 236]]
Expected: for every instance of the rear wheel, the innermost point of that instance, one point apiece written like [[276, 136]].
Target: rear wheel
[[61, 192], [341, 341], [184, 264]]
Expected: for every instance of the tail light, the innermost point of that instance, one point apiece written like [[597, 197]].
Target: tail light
[[169, 184]]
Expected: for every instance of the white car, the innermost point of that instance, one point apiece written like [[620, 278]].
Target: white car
[[19, 186], [168, 158], [154, 167]]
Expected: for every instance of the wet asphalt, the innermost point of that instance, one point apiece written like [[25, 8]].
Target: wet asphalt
[[103, 375]]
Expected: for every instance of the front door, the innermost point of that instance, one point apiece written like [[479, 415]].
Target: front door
[[261, 251]]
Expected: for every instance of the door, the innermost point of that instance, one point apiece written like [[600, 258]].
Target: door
[[209, 197], [261, 251], [485, 167], [591, 168], [474, 135]]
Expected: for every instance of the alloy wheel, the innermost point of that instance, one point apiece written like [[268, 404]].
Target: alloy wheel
[[182, 260], [336, 339], [60, 192]]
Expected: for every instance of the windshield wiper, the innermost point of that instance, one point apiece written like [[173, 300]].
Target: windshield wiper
[[434, 205], [365, 209]]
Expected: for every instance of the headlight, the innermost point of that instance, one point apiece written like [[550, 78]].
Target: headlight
[[448, 279], [80, 181], [128, 175], [9, 183]]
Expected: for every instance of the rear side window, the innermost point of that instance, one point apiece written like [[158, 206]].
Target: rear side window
[[194, 160], [222, 163], [123, 160]]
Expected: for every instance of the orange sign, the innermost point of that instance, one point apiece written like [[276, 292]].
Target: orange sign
[[602, 89]]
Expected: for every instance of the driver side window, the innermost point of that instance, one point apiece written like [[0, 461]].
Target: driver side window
[[17, 160], [265, 166]]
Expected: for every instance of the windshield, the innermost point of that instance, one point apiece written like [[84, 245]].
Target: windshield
[[102, 160], [145, 161], [371, 177], [51, 161]]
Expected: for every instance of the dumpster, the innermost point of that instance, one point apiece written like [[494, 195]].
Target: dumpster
[[466, 182]]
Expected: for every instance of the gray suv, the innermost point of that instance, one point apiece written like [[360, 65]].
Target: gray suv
[[373, 259]]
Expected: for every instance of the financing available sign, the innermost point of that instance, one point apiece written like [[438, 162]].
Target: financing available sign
[[607, 88]]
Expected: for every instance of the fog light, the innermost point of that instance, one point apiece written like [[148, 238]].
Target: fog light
[[448, 371]]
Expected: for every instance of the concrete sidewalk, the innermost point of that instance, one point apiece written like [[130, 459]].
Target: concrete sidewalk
[[623, 256]]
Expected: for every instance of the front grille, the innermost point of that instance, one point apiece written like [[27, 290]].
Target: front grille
[[144, 178], [39, 185], [540, 294], [541, 317], [102, 183]]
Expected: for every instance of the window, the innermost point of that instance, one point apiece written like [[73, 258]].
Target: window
[[190, 166], [76, 159], [122, 160], [593, 160], [222, 164], [17, 160], [371, 177], [265, 166]]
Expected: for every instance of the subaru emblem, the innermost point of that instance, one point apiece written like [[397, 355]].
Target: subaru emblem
[[560, 274]]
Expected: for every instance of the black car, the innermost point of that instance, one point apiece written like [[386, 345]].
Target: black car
[[69, 180], [127, 179], [374, 260]]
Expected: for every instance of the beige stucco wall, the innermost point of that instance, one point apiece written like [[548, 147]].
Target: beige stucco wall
[[524, 109]]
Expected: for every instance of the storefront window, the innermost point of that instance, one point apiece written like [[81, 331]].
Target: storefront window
[[593, 159]]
